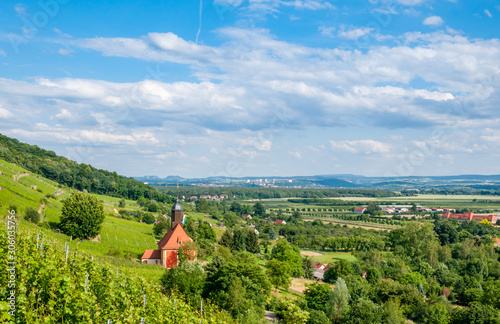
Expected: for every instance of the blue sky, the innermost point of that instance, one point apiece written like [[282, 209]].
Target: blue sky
[[256, 88]]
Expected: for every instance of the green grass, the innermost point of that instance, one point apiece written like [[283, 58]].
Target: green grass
[[327, 257]]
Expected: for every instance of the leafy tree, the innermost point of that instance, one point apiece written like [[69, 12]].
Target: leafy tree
[[317, 317], [149, 218], [290, 254], [202, 205], [392, 313], [272, 234], [238, 240], [32, 215], [236, 208], [476, 314], [226, 239], [338, 301], [259, 209], [189, 227], [292, 314], [162, 226], [82, 216], [279, 273], [205, 232], [446, 232], [317, 295], [364, 311], [308, 267], [252, 241], [153, 207], [436, 314], [187, 278], [121, 203]]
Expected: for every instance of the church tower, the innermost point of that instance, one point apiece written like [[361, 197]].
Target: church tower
[[177, 213]]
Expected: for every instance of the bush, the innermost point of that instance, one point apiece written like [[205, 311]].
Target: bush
[[32, 215], [148, 219], [82, 216]]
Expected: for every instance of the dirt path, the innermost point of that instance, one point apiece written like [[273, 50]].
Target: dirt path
[[309, 253], [19, 176]]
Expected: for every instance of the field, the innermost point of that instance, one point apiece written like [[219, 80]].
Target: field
[[328, 257]]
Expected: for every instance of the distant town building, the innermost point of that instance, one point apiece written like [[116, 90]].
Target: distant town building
[[279, 221]]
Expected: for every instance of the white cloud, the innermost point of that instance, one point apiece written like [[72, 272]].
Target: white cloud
[[204, 159], [355, 33], [169, 155], [360, 146], [488, 13], [433, 21], [64, 114], [20, 9], [2, 52], [4, 113], [65, 51], [295, 154], [326, 31]]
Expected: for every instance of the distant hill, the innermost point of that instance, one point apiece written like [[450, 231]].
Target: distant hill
[[74, 175]]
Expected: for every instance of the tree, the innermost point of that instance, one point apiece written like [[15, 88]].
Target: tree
[[436, 314], [364, 311], [317, 295], [272, 234], [292, 314], [235, 208], [82, 216], [259, 209], [308, 267], [446, 232], [238, 240], [202, 205], [32, 215], [153, 207], [290, 254], [149, 218], [373, 275], [279, 274], [162, 226], [342, 269], [338, 301], [252, 241], [121, 203], [205, 232], [226, 239], [187, 278]]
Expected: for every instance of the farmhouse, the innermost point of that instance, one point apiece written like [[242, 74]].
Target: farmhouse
[[469, 217], [359, 210], [169, 245], [279, 221]]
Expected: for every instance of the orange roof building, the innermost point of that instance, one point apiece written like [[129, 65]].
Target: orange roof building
[[469, 217], [169, 245]]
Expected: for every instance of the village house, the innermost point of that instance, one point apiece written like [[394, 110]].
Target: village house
[[170, 244], [279, 221], [359, 210]]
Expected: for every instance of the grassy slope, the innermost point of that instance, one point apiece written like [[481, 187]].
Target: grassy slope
[[130, 237]]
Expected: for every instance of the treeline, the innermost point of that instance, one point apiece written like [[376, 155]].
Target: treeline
[[72, 174], [266, 193]]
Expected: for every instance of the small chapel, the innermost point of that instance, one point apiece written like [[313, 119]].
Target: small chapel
[[169, 245]]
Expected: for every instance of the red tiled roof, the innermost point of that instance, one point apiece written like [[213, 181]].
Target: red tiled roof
[[173, 237], [278, 221], [359, 208], [151, 254]]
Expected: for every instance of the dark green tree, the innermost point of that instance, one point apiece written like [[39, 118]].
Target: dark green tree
[[259, 209], [308, 267], [187, 278], [205, 232], [32, 215], [226, 239], [82, 216], [279, 274], [316, 296], [238, 240], [149, 218], [162, 226], [202, 205], [252, 241]]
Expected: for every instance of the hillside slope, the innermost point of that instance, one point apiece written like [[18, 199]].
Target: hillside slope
[[74, 175]]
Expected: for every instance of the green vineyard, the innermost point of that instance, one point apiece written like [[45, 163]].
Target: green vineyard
[[56, 284]]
